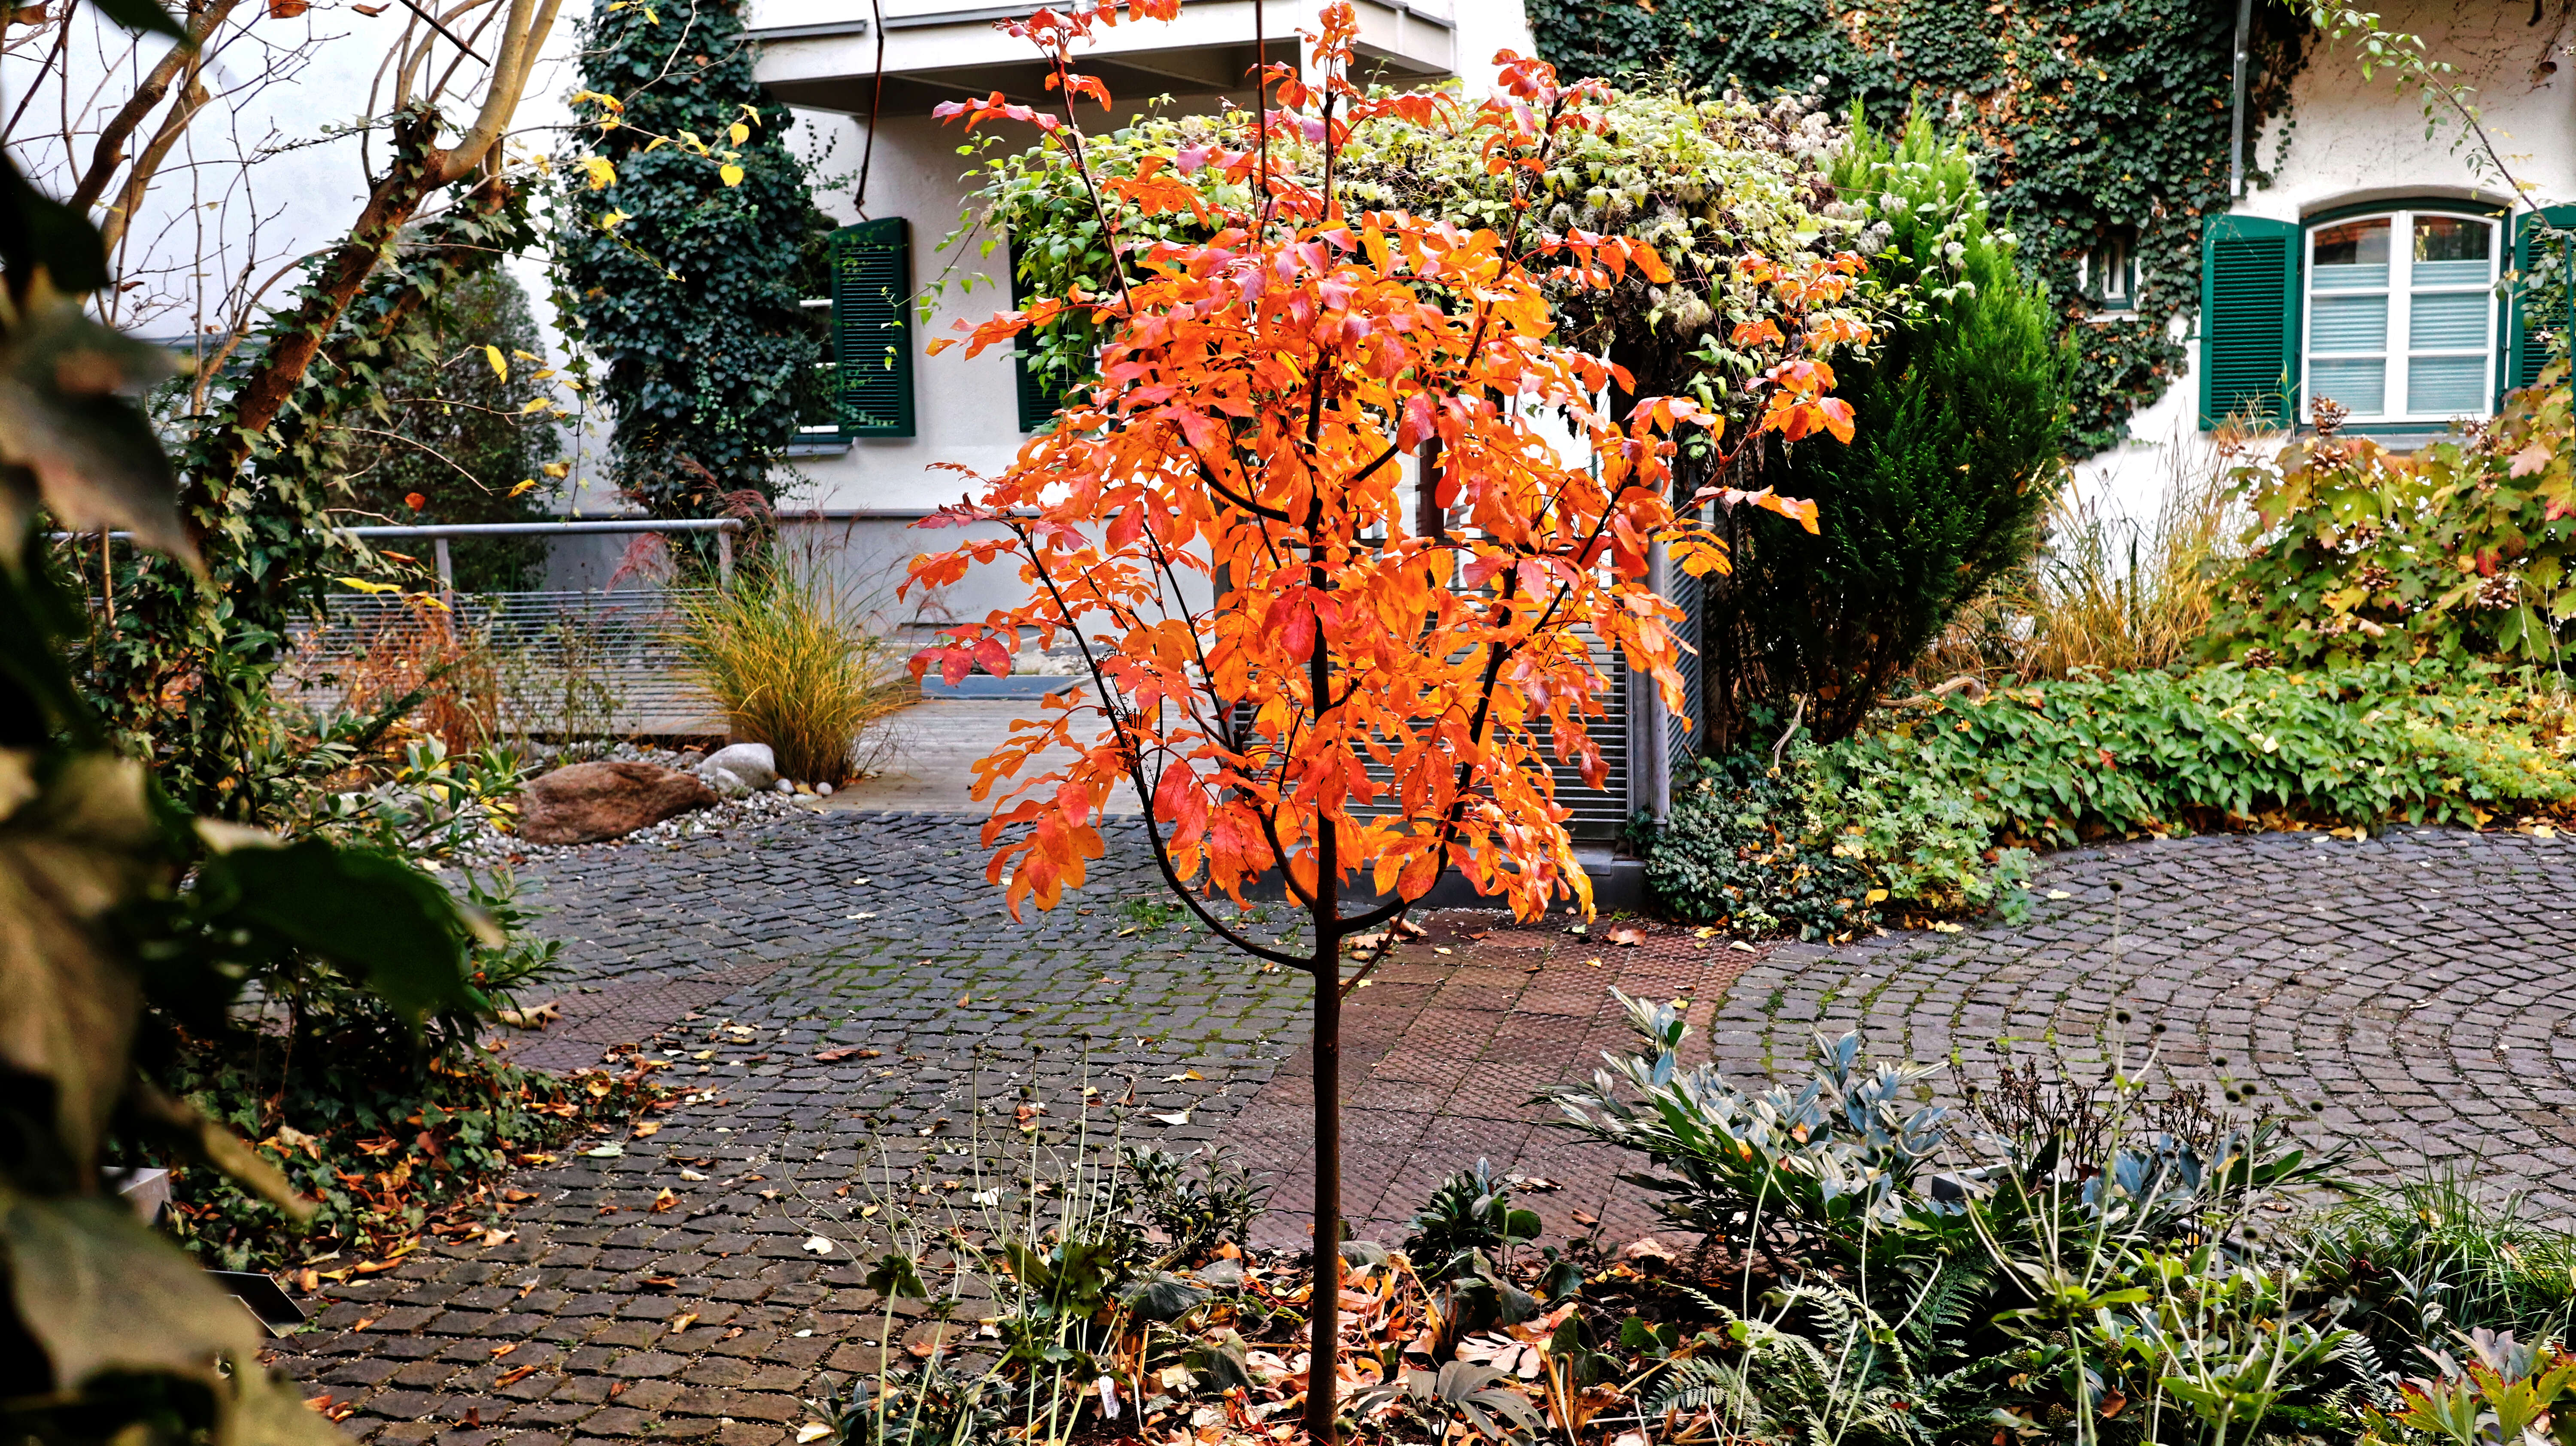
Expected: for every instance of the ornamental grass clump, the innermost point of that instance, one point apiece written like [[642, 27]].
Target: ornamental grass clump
[[789, 663]]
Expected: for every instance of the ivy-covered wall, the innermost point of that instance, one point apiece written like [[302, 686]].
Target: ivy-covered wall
[[2095, 122]]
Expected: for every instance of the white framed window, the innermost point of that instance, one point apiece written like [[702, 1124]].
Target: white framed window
[[2400, 319], [2108, 275]]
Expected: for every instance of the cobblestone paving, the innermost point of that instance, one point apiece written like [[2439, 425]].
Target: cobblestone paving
[[2417, 985], [870, 938]]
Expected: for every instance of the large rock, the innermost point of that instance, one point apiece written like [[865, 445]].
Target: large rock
[[740, 768], [587, 802]]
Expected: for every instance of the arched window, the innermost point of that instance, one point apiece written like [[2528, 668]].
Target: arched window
[[2402, 315], [2389, 310]]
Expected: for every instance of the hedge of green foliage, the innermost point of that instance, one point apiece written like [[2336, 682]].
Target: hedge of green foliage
[[1926, 814], [2168, 752]]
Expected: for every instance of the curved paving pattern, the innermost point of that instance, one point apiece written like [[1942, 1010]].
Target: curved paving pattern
[[2419, 985]]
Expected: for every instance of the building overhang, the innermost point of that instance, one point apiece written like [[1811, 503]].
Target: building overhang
[[826, 59]]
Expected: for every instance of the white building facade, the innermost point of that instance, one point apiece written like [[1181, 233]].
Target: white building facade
[[2361, 261]]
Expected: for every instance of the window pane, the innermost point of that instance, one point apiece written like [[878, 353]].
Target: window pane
[[2452, 238], [2352, 256], [2446, 384], [2360, 384], [2348, 323], [2448, 321]]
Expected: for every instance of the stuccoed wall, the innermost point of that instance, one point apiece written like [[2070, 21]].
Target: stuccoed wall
[[2347, 141]]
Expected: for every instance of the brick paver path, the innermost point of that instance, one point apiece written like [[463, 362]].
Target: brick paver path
[[2417, 984]]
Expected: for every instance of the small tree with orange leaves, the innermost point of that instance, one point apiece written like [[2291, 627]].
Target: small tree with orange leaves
[[1303, 672]]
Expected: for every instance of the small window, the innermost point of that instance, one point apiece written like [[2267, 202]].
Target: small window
[[2401, 316], [2108, 275]]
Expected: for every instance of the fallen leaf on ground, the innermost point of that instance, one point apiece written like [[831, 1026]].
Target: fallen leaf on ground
[[1586, 1219], [537, 1018], [835, 1056], [811, 1431], [1631, 936], [818, 1245], [662, 1282], [648, 1129], [1182, 1118], [683, 1321], [514, 1375], [664, 1201], [691, 1175], [497, 1236]]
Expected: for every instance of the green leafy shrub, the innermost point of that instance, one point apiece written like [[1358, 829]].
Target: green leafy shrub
[[1820, 842], [448, 427], [2459, 551], [1739, 850], [1958, 415], [2178, 751]]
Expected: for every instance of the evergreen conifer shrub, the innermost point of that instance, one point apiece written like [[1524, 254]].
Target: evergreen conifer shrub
[[1960, 411]]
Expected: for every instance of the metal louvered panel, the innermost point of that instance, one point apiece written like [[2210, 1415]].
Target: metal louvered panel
[[872, 327], [1601, 812], [2249, 299], [621, 642], [1598, 813], [1681, 734]]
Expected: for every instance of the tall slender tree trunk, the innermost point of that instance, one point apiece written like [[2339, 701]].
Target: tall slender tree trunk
[[1324, 1305]]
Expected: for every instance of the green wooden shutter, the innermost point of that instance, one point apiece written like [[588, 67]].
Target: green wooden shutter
[[1040, 394], [2523, 352], [872, 327], [2249, 320]]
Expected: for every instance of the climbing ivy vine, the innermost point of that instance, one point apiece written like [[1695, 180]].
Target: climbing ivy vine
[[2095, 125], [687, 239]]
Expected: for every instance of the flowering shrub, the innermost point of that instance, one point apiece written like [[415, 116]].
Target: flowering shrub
[[2459, 551]]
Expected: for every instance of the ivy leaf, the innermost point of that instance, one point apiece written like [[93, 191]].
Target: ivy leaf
[[97, 464]]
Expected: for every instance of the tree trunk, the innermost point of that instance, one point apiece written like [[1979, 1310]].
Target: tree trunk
[[1324, 1305]]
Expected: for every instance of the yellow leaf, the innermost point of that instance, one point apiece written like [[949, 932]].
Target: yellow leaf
[[537, 405], [655, 144], [523, 487], [602, 174], [557, 469], [730, 175], [1878, 896], [363, 585], [613, 220], [739, 132], [609, 101], [500, 363], [525, 355]]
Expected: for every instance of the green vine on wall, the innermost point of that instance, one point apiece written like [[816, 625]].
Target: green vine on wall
[[687, 240], [2094, 124]]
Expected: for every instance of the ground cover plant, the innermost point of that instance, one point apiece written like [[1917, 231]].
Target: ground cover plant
[[2081, 1249], [2216, 747], [1372, 694]]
